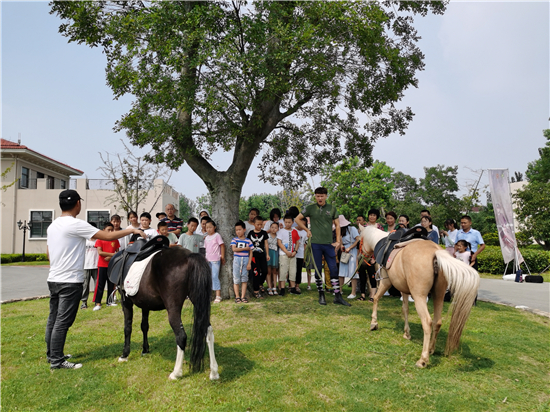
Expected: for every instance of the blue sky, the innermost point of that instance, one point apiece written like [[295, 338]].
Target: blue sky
[[482, 101]]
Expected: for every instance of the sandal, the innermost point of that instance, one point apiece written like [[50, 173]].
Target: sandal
[[244, 300], [269, 291], [237, 300], [371, 300], [258, 295], [275, 291], [262, 290], [218, 299], [362, 298]]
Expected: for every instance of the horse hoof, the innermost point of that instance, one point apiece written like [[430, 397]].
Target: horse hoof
[[214, 376], [374, 326], [121, 359], [408, 337], [421, 364]]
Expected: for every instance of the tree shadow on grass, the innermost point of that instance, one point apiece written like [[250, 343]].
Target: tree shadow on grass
[[232, 362]]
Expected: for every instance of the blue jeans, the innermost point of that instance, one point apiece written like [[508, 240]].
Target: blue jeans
[[328, 252], [215, 267], [64, 299], [240, 273]]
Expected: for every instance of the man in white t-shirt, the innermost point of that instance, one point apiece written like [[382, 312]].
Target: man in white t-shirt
[[66, 250]]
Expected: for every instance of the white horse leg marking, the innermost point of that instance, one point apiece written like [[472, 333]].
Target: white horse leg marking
[[213, 364], [121, 359], [177, 373]]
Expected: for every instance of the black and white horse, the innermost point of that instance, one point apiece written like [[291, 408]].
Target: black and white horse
[[170, 276]]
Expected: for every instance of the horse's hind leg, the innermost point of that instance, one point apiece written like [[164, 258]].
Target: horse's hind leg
[[128, 310], [174, 317], [407, 334], [145, 330], [438, 296], [422, 309], [213, 364], [384, 285]]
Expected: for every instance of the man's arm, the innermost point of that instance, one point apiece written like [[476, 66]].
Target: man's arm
[[103, 235], [338, 233], [478, 251]]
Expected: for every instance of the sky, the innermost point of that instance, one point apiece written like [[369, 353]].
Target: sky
[[481, 103]]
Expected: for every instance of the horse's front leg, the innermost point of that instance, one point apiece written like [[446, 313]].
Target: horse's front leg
[[128, 310], [407, 334], [383, 286], [145, 330], [422, 309], [213, 364], [174, 317]]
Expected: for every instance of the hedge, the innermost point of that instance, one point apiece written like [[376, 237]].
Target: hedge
[[490, 260], [29, 257]]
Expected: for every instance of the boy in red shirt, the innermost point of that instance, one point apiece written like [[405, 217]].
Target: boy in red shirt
[[106, 250]]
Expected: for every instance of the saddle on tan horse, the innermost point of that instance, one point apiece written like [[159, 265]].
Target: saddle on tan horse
[[396, 240], [140, 249]]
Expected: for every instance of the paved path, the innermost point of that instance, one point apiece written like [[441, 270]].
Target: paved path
[[19, 282]]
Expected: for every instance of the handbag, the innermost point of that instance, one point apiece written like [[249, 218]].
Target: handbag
[[344, 257]]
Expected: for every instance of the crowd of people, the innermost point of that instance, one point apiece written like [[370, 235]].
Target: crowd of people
[[270, 253]]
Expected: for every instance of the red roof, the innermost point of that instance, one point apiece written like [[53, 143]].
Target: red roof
[[6, 145]]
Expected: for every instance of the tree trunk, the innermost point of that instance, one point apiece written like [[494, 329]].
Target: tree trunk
[[226, 193]]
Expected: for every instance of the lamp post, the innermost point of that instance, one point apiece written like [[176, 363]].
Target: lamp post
[[24, 227]]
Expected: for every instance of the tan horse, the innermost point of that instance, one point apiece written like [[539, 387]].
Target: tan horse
[[420, 268]]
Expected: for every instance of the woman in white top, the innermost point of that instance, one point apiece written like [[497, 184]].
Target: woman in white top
[[350, 239], [449, 236]]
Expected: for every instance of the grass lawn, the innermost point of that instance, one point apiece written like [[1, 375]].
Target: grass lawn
[[282, 354]]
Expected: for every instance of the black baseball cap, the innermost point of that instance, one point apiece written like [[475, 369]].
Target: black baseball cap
[[69, 196]]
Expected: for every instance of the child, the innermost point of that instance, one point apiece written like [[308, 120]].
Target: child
[[273, 263], [145, 220], [300, 255], [202, 231], [162, 228], [462, 252], [189, 240], [215, 255], [106, 249], [275, 216], [242, 261], [90, 269], [258, 236], [250, 224], [288, 241]]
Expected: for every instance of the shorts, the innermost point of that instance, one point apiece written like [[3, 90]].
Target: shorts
[[288, 268], [240, 273], [273, 259]]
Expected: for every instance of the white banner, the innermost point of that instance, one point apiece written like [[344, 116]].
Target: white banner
[[504, 215]]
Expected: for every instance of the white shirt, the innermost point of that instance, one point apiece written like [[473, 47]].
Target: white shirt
[[92, 255], [451, 239], [249, 227], [67, 238], [301, 247], [150, 233]]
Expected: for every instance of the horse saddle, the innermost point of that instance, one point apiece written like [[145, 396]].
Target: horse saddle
[[385, 246], [120, 263]]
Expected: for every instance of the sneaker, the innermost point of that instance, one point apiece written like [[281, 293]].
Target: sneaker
[[387, 293], [308, 287], [83, 306], [67, 365], [351, 296], [97, 307], [112, 304], [411, 299], [295, 291]]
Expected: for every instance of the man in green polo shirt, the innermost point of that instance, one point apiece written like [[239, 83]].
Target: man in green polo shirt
[[322, 216]]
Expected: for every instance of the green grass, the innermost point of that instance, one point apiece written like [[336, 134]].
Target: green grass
[[282, 354], [39, 263], [545, 276]]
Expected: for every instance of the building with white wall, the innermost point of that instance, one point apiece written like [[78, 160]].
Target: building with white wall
[[34, 197]]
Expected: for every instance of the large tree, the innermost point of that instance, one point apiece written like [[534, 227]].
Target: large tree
[[288, 79], [533, 207]]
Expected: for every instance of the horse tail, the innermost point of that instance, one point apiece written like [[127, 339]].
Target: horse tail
[[200, 289], [463, 282]]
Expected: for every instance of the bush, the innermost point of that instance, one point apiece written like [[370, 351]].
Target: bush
[[490, 260], [29, 257], [491, 239]]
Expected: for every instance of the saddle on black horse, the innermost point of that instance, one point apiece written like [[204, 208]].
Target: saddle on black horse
[[120, 263], [385, 246]]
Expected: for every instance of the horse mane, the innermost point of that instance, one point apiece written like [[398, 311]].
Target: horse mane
[[371, 236]]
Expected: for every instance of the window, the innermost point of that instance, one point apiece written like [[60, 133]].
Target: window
[[40, 220], [99, 217], [63, 184], [24, 182], [39, 175], [50, 182]]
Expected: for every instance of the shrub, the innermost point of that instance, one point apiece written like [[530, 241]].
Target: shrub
[[490, 260], [29, 257], [491, 239]]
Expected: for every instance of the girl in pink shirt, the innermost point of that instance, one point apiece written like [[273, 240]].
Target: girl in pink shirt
[[215, 252]]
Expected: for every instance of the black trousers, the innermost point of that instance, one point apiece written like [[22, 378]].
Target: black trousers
[[258, 271], [299, 266]]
